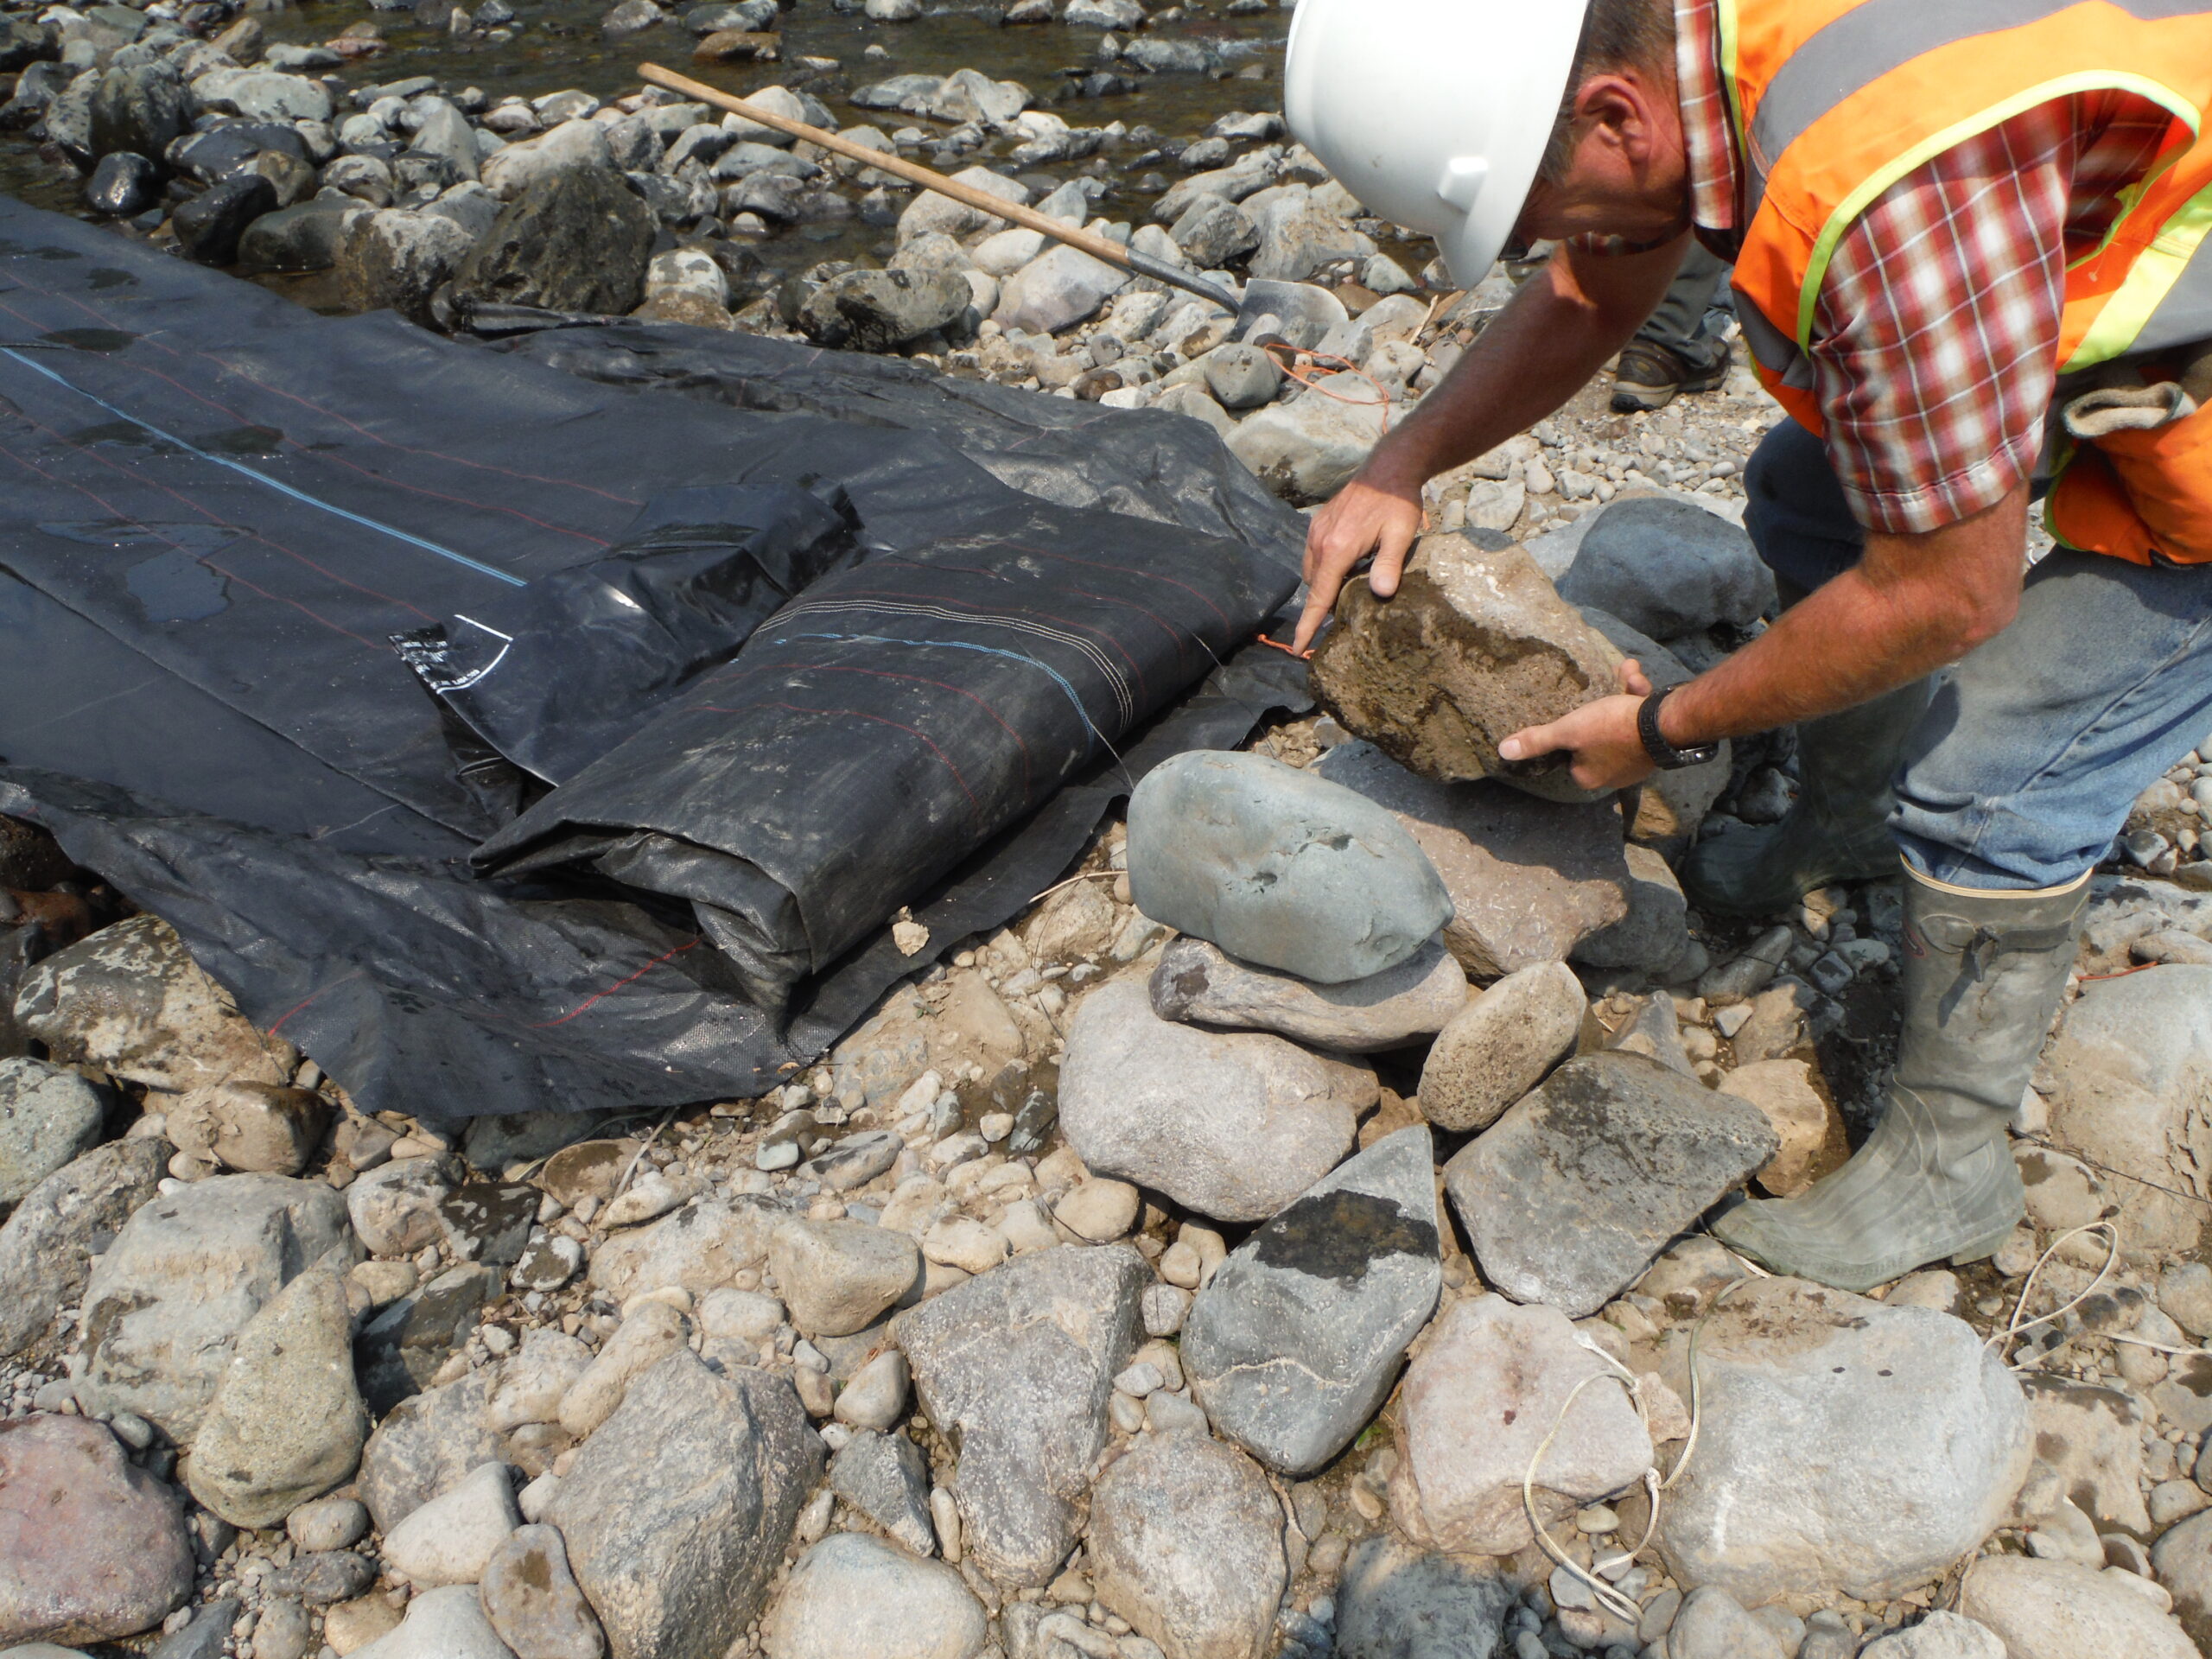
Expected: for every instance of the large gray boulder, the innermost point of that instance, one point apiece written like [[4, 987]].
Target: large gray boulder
[[1492, 1381], [143, 109], [882, 310], [1232, 1124], [1474, 647], [1844, 1448], [1018, 1365], [186, 1275], [574, 239], [1279, 867], [46, 1248], [680, 1506], [1528, 880], [1058, 289], [286, 1423], [1307, 449], [395, 259], [48, 1116], [1570, 1195], [1187, 1544], [1667, 569], [130, 1001], [1199, 983], [1296, 1339]]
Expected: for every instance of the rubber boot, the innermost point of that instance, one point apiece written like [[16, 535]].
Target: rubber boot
[[1836, 830], [1982, 976]]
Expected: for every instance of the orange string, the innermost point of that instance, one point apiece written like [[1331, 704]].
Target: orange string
[[1289, 650], [1286, 362]]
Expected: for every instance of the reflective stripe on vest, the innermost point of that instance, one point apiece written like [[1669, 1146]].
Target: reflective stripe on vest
[[1835, 100]]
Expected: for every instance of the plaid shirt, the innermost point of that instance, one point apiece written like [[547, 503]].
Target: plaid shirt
[[1935, 334]]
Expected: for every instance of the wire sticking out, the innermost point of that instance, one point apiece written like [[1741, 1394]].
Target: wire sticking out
[[2017, 1325], [1287, 358]]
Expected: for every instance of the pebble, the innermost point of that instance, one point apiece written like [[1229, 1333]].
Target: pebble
[[854, 1597], [1098, 1210], [327, 1524], [876, 1396], [450, 1539], [442, 1623], [530, 1599], [1199, 983], [837, 1277], [1500, 1045]]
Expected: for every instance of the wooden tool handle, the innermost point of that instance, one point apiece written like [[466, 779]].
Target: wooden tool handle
[[1098, 247]]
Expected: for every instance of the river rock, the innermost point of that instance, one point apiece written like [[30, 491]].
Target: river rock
[[90, 1546], [452, 1537], [144, 109], [130, 1001], [167, 1303], [424, 1446], [678, 1510], [837, 1277], [48, 1117], [1199, 983], [1018, 1365], [854, 1597], [532, 1598], [652, 1333], [532, 1379], [1212, 232], [1306, 449], [2063, 1610], [1845, 1447], [122, 185], [1938, 1635], [1280, 867], [1528, 880], [576, 238], [394, 1207], [2133, 1072], [286, 1423], [930, 212], [1055, 290], [886, 1477], [392, 258], [1296, 1340], [1186, 1545], [1232, 1124], [263, 1127], [703, 1247], [576, 144], [442, 1623], [1810, 1129], [1499, 1046], [1393, 1602], [1668, 568], [1491, 1380], [1572, 1192], [324, 1578], [2182, 1559], [1655, 935], [882, 310], [1475, 646], [46, 1248]]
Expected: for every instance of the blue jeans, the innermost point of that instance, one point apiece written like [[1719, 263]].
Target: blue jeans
[[2039, 743]]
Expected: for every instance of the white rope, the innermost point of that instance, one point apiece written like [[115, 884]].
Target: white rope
[[2018, 1326]]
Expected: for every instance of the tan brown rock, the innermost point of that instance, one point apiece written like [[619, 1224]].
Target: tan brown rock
[[1811, 1129], [1475, 646]]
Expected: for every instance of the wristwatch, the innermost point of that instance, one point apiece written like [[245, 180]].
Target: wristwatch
[[1664, 754]]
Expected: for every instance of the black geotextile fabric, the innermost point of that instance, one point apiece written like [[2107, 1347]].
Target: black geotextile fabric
[[520, 739]]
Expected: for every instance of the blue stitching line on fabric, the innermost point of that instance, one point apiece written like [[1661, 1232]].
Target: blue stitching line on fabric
[[262, 477], [1081, 713]]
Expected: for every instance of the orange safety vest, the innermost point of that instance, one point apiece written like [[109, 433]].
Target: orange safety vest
[[1834, 100]]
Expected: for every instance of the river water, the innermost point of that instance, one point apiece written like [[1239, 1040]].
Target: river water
[[560, 45]]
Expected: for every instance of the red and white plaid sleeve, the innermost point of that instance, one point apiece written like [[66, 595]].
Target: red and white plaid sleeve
[[1935, 332]]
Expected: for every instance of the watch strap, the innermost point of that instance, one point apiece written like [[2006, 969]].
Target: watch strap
[[1664, 754]]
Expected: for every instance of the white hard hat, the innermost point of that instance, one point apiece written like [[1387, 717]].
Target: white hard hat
[[1434, 113]]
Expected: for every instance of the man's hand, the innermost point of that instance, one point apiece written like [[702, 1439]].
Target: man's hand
[[1365, 516], [1601, 735]]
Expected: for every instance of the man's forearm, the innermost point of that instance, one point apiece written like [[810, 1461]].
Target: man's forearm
[[1912, 605], [1555, 333]]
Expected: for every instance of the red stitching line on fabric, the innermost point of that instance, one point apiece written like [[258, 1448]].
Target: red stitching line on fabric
[[600, 997]]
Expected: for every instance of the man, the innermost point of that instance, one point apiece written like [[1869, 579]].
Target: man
[[1678, 349], [1932, 210]]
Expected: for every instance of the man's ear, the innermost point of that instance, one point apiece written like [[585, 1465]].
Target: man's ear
[[1617, 105]]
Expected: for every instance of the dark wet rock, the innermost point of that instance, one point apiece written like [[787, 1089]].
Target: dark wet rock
[[143, 109], [90, 1546], [124, 183], [1280, 867], [1297, 1338], [882, 310], [67, 123], [1394, 1601], [577, 239], [490, 1223], [1569, 1196], [404, 1347], [215, 154], [680, 1506], [47, 1247], [1019, 1364], [886, 1477], [36, 88], [1475, 646], [302, 237], [185, 1277], [209, 225]]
